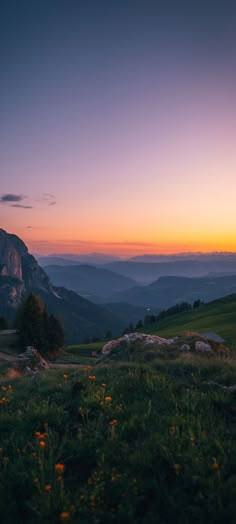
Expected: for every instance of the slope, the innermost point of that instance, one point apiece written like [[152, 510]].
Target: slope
[[89, 281], [169, 290], [218, 316]]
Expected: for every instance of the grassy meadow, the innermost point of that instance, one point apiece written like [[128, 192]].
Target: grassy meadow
[[120, 443], [218, 316]]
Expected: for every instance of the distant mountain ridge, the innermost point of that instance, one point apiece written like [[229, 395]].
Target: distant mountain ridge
[[70, 258], [201, 257], [87, 280], [170, 290], [148, 272]]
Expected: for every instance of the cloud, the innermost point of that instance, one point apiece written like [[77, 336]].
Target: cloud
[[17, 201], [9, 197], [48, 195], [47, 198], [21, 206]]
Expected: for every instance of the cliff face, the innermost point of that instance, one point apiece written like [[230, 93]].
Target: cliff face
[[12, 290], [19, 271], [10, 256]]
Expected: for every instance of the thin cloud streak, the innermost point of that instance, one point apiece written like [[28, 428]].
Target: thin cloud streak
[[48, 195], [21, 206]]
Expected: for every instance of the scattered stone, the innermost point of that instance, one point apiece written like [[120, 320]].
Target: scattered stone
[[202, 347], [31, 361], [185, 348], [130, 338], [140, 345], [229, 389]]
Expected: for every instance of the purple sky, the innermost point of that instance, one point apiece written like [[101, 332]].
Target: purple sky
[[117, 128]]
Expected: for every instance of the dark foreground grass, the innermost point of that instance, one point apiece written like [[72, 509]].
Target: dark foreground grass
[[140, 443]]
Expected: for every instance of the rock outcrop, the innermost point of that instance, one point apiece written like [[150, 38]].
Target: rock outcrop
[[19, 271], [131, 338], [10, 256], [31, 361], [202, 347], [141, 345]]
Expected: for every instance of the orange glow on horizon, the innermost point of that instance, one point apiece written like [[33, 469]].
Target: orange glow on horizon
[[130, 248], [141, 239]]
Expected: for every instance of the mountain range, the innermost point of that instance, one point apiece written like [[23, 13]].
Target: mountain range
[[170, 290], [148, 272], [71, 258], [114, 294], [21, 274], [102, 285], [94, 283], [145, 269]]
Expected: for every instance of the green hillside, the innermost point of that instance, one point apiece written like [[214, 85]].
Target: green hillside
[[120, 443], [104, 442], [218, 316]]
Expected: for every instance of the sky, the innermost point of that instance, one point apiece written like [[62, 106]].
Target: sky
[[118, 125]]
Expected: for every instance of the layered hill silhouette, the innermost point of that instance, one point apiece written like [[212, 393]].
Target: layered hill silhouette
[[168, 291], [147, 272], [102, 285], [96, 259], [122, 301], [89, 281]]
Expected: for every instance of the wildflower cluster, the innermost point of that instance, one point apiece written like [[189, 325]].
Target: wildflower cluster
[[7, 390]]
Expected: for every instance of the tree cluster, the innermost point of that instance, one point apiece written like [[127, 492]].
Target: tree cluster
[[178, 308], [38, 328], [151, 318]]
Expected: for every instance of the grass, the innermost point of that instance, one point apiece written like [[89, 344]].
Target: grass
[[218, 316], [81, 354], [121, 442], [85, 350], [152, 440], [8, 343]]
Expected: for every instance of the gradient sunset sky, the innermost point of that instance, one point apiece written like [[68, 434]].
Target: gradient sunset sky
[[118, 125]]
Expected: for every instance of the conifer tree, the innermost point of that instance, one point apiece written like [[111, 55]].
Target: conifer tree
[[37, 328]]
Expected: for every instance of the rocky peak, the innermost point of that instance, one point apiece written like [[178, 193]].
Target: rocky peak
[[10, 256], [16, 262]]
